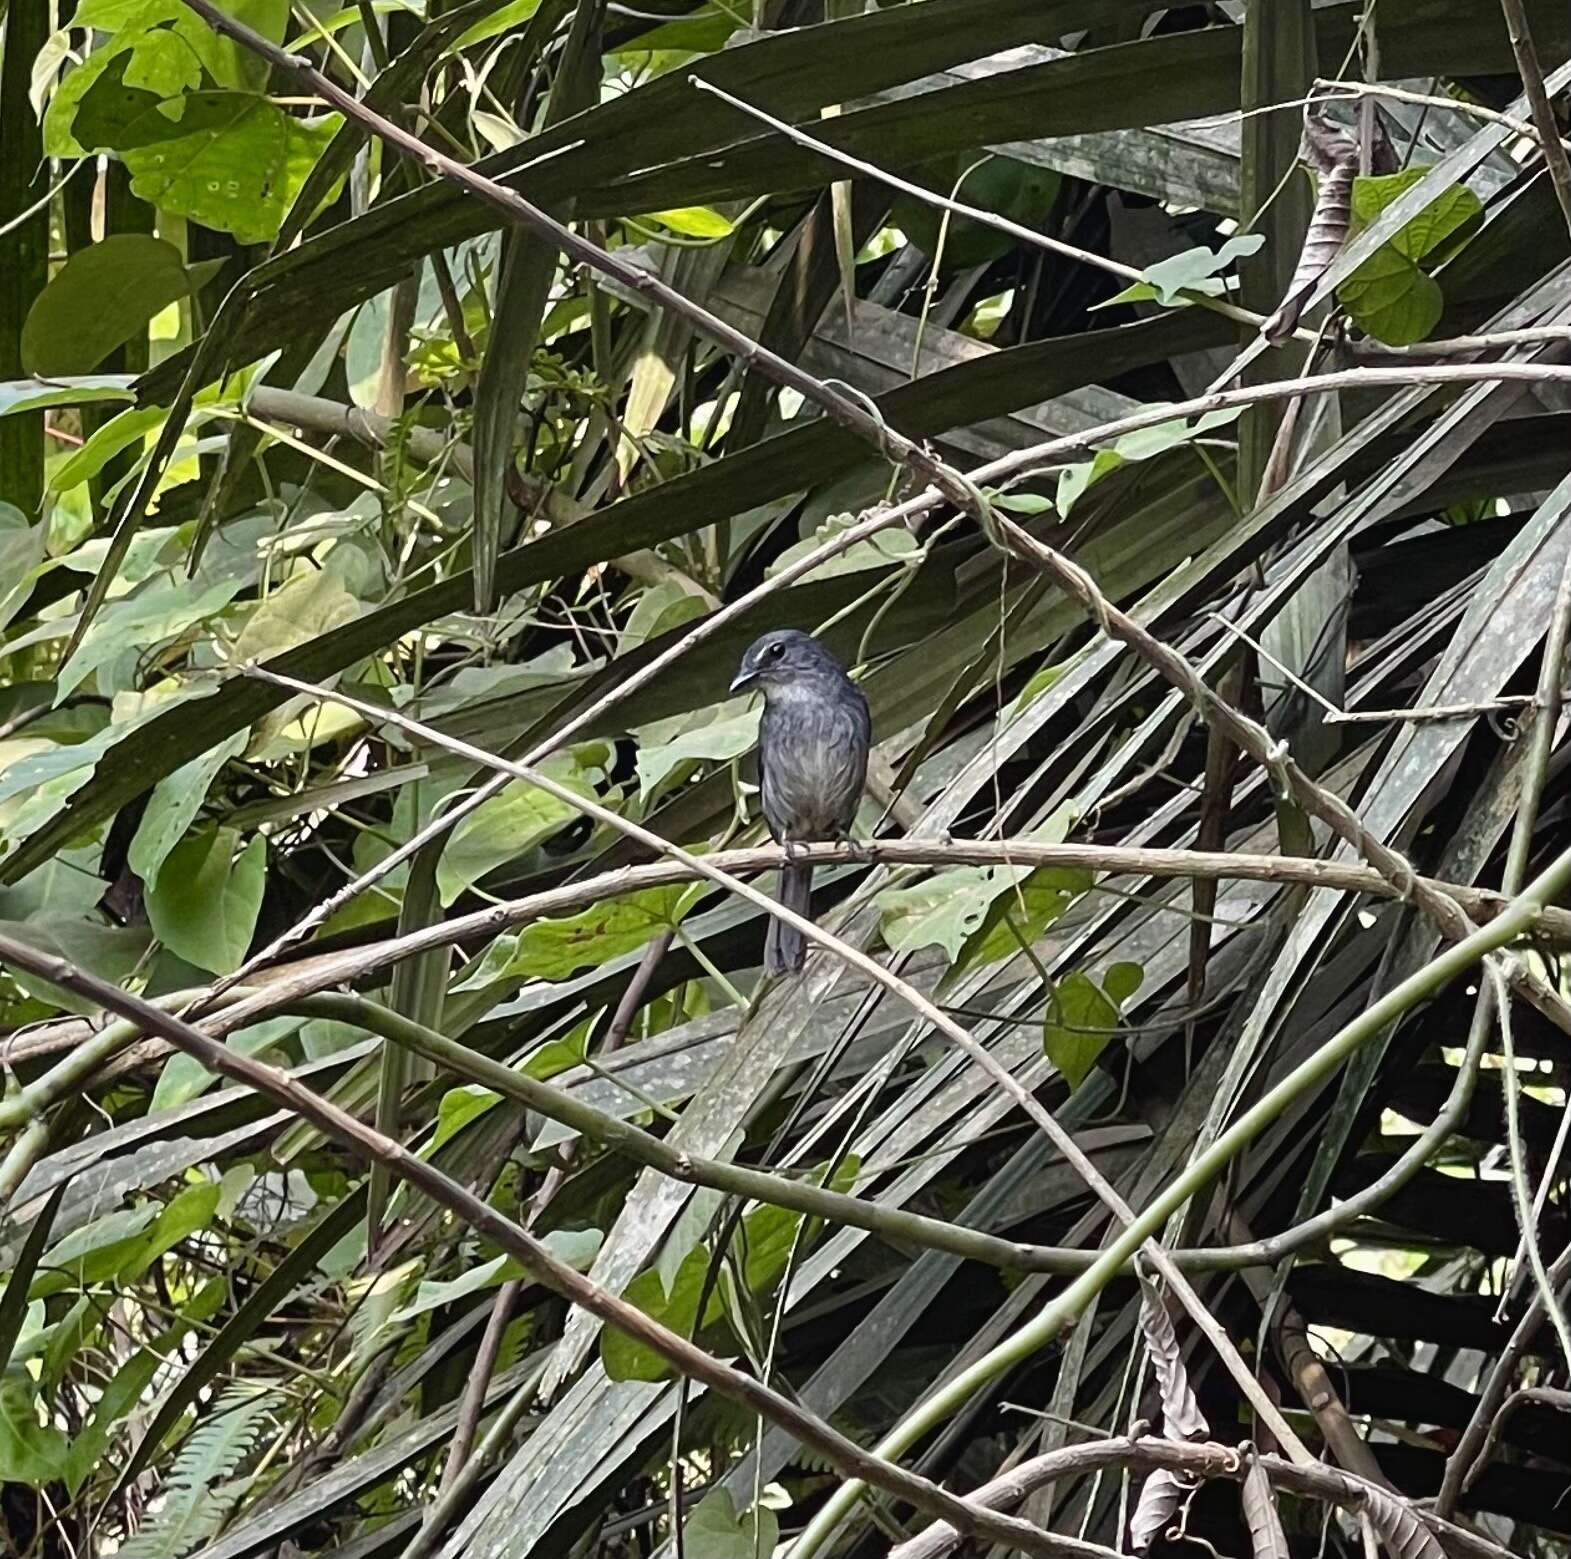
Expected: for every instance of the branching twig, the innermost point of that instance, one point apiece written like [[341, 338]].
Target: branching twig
[[1520, 1196], [1547, 1396], [1430, 100], [1201, 1459]]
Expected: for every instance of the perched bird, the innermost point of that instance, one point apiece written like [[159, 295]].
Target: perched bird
[[812, 757]]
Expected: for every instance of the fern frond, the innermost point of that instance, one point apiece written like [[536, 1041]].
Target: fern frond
[[202, 1488]]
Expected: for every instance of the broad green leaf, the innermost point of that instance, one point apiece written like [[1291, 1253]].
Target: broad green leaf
[[768, 1232], [192, 1209], [1389, 295], [1142, 444], [558, 949], [948, 910], [500, 133], [137, 623], [1075, 479], [205, 904], [1445, 215], [1082, 1018], [676, 1308], [93, 1252], [159, 47], [32, 1452], [326, 1037], [461, 1105], [513, 822], [1021, 503], [658, 610], [121, 1397], [576, 1247], [714, 741], [230, 64], [881, 551], [941, 912], [184, 1078], [458, 1107], [1006, 188], [110, 952], [120, 432], [230, 160], [1038, 684], [1390, 298], [144, 57], [1121, 981], [22, 547], [40, 780], [313, 602], [68, 887], [715, 1531], [499, 21], [122, 1245], [488, 1274], [101, 297], [175, 801]]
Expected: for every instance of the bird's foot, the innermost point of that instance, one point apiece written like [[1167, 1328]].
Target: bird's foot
[[862, 851]]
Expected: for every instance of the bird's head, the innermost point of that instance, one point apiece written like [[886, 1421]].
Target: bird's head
[[779, 658]]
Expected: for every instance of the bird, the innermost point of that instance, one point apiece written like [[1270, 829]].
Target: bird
[[813, 742]]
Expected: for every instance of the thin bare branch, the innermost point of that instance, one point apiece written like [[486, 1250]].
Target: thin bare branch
[[1196, 1460], [1532, 75]]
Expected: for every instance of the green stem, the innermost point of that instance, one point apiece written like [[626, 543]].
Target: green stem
[[1060, 1312], [654, 1153]]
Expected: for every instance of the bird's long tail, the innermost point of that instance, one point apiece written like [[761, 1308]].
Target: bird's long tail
[[785, 948]]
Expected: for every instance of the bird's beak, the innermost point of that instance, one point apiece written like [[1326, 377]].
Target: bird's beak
[[742, 680]]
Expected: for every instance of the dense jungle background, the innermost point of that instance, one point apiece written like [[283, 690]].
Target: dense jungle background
[[410, 411]]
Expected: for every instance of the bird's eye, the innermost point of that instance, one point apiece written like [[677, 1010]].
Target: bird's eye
[[775, 651]]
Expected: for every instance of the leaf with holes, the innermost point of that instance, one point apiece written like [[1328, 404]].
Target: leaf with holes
[[229, 160], [1023, 912]]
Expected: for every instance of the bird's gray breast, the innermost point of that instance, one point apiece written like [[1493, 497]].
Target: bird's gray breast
[[814, 753]]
